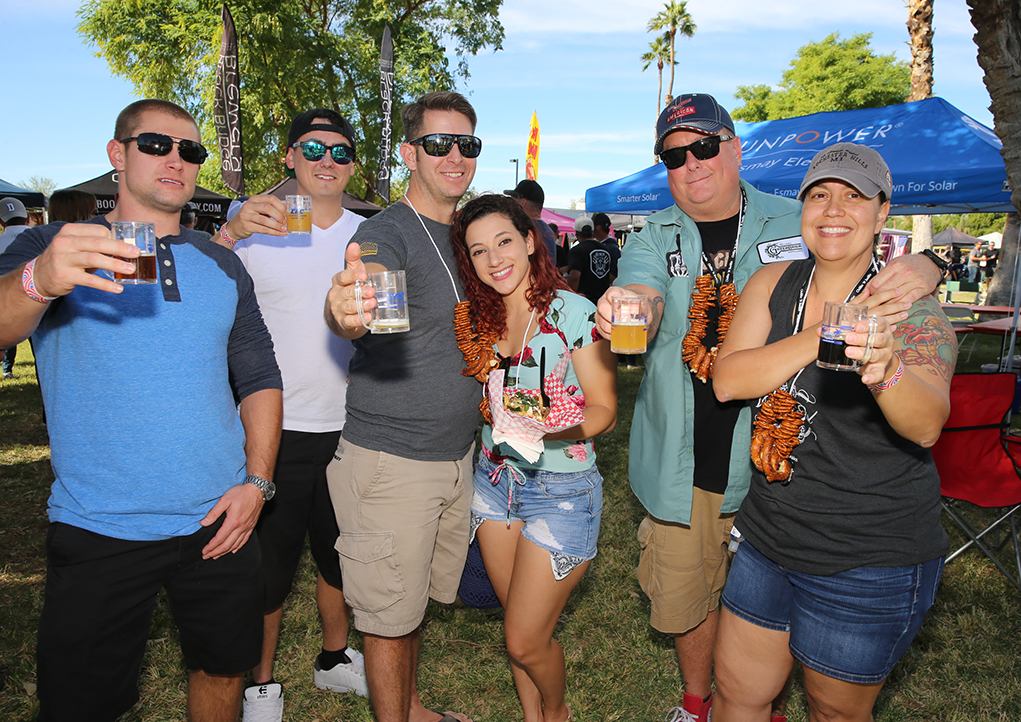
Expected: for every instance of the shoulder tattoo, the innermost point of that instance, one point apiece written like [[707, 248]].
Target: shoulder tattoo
[[926, 338]]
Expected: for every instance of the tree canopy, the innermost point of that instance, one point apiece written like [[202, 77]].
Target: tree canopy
[[294, 55], [833, 74]]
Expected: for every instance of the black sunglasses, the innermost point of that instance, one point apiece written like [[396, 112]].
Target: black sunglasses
[[315, 151], [702, 149], [158, 144], [440, 144]]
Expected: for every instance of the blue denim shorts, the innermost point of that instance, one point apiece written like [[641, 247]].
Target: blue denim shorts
[[560, 510], [852, 626]]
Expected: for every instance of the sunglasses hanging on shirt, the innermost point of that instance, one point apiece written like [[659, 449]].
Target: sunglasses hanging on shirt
[[158, 144]]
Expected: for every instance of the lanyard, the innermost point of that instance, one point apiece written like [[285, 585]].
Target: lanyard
[[727, 274]]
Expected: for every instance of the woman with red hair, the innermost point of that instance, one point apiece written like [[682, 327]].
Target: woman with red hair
[[536, 514]]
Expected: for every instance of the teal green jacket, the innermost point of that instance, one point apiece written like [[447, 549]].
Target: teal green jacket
[[661, 464]]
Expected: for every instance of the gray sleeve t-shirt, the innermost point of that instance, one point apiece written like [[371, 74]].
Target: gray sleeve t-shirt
[[407, 396]]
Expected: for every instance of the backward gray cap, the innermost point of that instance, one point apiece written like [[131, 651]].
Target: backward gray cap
[[857, 165]]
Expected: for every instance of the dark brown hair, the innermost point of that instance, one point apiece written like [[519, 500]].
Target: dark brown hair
[[71, 206], [413, 114], [487, 308]]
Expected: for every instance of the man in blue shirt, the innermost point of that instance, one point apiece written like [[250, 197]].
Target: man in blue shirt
[[158, 479]]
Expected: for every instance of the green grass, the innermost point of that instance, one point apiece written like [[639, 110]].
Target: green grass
[[962, 667]]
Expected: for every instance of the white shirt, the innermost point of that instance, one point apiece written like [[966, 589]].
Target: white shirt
[[292, 276]]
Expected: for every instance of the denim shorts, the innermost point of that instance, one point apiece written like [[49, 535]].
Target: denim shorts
[[561, 510], [852, 626]]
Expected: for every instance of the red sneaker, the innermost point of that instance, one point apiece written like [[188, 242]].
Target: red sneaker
[[693, 709]]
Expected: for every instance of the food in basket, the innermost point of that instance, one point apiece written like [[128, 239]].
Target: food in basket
[[524, 404]]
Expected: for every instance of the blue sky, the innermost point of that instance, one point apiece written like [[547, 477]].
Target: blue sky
[[576, 63]]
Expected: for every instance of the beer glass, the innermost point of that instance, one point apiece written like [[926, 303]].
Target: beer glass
[[299, 214], [142, 235], [391, 312], [630, 324], [839, 319]]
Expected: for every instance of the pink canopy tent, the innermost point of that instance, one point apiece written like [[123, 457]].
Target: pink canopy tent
[[564, 223]]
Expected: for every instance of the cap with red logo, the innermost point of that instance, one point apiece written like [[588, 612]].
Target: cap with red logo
[[695, 111]]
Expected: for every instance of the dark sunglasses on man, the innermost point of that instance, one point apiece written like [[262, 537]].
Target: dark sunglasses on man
[[702, 149], [159, 145], [315, 151], [440, 144]]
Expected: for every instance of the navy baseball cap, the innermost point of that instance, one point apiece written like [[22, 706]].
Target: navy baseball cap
[[694, 111]]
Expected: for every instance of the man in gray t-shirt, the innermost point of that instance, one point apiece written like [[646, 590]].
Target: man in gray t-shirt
[[400, 481]]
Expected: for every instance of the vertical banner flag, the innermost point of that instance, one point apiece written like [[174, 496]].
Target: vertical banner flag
[[532, 154], [386, 87], [227, 108]]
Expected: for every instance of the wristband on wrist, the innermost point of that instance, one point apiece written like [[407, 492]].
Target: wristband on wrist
[[226, 237], [28, 283], [890, 382]]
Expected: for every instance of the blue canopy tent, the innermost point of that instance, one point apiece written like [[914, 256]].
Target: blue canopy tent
[[31, 199], [942, 161]]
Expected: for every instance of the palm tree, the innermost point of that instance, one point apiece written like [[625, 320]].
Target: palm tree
[[675, 19], [996, 30], [920, 33], [659, 53]]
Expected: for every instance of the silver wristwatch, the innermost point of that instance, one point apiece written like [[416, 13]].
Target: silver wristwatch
[[268, 488]]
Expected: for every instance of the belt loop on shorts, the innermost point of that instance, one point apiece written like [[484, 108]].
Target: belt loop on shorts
[[515, 476]]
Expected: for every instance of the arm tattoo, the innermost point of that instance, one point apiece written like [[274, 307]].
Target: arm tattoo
[[926, 339], [657, 304]]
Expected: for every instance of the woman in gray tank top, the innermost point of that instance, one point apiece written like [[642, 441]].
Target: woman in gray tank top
[[842, 546]]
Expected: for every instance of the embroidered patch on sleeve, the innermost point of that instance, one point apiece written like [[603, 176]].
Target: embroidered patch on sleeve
[[369, 249], [783, 249]]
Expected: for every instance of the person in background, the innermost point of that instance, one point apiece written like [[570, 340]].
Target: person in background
[[976, 258], [531, 197], [588, 262], [602, 234], [843, 593], [72, 206], [188, 218], [561, 257]]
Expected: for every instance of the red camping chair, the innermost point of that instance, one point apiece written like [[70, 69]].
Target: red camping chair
[[978, 462]]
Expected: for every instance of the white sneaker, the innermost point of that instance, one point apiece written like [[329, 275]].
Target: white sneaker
[[264, 703], [344, 677]]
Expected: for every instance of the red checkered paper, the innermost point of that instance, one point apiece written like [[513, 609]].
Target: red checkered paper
[[509, 427]]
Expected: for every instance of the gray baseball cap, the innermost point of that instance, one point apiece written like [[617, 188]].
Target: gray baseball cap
[[857, 165], [11, 208]]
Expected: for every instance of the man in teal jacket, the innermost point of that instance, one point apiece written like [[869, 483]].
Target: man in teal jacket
[[689, 463]]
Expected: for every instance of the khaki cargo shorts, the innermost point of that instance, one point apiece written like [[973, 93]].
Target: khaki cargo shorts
[[403, 534], [683, 568]]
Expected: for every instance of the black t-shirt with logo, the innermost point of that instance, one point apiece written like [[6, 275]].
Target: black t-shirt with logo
[[714, 421], [594, 262]]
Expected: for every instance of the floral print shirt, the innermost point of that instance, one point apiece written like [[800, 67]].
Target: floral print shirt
[[568, 325]]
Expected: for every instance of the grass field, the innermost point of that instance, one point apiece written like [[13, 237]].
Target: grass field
[[963, 666]]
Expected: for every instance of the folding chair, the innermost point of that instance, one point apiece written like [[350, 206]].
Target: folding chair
[[978, 463]]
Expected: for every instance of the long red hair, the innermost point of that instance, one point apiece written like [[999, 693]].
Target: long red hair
[[488, 312]]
